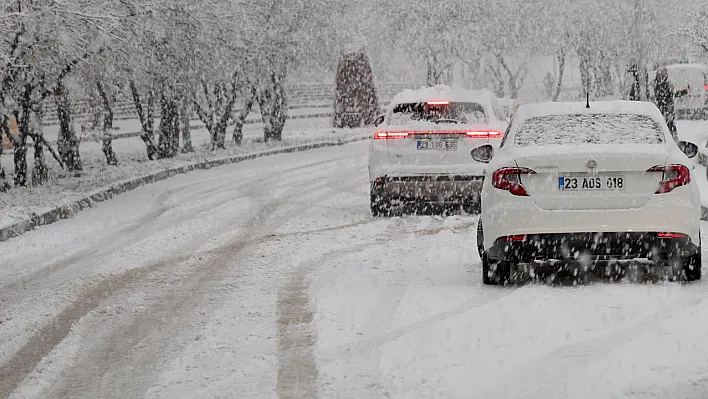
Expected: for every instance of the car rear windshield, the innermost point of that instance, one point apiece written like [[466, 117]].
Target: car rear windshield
[[589, 129], [443, 112]]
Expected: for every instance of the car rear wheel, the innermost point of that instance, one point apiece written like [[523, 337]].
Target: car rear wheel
[[494, 273], [692, 267], [379, 206]]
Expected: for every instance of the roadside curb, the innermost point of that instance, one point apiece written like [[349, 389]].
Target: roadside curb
[[70, 209]]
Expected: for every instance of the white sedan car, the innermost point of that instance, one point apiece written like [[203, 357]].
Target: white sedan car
[[603, 189], [421, 152]]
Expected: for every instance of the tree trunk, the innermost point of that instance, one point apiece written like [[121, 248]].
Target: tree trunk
[[40, 172], [147, 133], [95, 110], [603, 75], [169, 126], [226, 111], [434, 70], [561, 70], [273, 104], [107, 128], [184, 113], [20, 156], [67, 142], [241, 117], [4, 186]]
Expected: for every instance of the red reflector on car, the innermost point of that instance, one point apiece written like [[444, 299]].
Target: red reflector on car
[[518, 237], [670, 235]]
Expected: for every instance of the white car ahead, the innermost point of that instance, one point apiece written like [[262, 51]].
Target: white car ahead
[[421, 152], [592, 190]]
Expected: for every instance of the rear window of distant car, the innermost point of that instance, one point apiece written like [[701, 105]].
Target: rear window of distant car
[[440, 111], [589, 129]]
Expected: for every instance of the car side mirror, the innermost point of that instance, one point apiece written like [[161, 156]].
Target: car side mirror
[[483, 153], [379, 120], [688, 148]]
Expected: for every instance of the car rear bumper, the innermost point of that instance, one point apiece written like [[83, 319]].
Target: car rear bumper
[[678, 211], [601, 247], [440, 188]]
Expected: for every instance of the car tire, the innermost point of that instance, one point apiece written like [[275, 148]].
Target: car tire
[[480, 238], [494, 274], [692, 267], [379, 206], [474, 207]]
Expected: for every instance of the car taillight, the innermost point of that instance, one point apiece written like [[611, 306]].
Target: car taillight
[[390, 135], [670, 235], [509, 179], [519, 237], [484, 133], [674, 176]]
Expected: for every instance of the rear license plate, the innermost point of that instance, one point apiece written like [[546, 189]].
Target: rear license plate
[[591, 183], [437, 145]]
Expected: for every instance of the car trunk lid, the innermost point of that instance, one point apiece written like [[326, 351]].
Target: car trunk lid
[[593, 176]]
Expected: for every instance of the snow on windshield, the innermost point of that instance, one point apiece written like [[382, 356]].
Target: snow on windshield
[[454, 112], [589, 129]]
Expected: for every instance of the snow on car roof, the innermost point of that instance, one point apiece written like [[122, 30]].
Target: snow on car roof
[[599, 107], [443, 93]]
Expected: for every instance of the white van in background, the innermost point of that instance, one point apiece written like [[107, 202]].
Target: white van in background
[[690, 89]]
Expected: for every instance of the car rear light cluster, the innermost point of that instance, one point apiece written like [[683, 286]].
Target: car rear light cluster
[[517, 238], [674, 176], [469, 133], [484, 133], [390, 135], [670, 235], [509, 179]]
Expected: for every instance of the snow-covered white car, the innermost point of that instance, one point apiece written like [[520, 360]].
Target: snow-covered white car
[[421, 151], [593, 190]]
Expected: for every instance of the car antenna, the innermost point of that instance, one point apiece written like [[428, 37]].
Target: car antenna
[[587, 104]]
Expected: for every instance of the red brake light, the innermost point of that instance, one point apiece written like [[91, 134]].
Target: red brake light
[[674, 176], [443, 102], [511, 238], [705, 87], [484, 133], [390, 135], [503, 179], [670, 235]]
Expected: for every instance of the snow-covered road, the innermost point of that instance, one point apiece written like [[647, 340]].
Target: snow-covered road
[[270, 279]]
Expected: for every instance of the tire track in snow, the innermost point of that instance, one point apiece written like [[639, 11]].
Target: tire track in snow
[[298, 373], [119, 354], [24, 361], [143, 228]]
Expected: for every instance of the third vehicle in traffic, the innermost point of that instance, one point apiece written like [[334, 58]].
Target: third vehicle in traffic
[[598, 190]]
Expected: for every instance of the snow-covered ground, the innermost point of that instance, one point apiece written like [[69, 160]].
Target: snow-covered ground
[[269, 278], [18, 203]]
